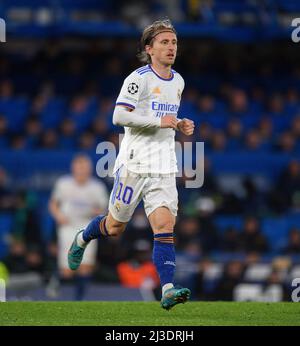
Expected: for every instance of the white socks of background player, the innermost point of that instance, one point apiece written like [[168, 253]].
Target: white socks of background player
[[80, 241]]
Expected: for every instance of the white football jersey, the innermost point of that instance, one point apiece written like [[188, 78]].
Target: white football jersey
[[78, 201], [150, 150]]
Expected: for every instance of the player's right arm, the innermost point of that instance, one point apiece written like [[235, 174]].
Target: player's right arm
[[124, 116], [54, 205], [125, 113], [58, 216]]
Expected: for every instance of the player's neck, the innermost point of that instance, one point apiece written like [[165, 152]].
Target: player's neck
[[81, 181], [162, 70]]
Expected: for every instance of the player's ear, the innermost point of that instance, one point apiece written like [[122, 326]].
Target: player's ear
[[148, 49]]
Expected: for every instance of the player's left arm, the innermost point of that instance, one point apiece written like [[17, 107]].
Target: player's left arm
[[185, 125]]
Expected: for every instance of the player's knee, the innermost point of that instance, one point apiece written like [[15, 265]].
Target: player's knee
[[66, 274], [114, 227], [116, 230], [85, 270], [165, 226]]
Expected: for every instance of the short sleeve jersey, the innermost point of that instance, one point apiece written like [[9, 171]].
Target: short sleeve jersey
[[79, 201]]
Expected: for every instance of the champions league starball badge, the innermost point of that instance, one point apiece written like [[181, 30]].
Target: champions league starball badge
[[133, 88]]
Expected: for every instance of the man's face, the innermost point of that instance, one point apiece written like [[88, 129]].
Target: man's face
[[81, 169], [163, 49]]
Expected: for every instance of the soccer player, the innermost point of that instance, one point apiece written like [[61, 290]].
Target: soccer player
[[76, 199], [146, 164]]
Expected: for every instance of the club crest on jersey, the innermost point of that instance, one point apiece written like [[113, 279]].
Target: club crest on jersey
[[133, 88], [117, 206], [156, 90], [179, 94]]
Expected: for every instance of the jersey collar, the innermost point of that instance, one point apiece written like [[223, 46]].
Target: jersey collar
[[166, 79]]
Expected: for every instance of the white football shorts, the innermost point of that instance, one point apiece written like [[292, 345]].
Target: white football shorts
[[129, 188], [65, 237]]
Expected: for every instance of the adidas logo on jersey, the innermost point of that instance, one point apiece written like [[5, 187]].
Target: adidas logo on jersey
[[156, 90]]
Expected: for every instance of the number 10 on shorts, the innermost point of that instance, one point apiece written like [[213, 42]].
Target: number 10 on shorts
[[124, 193]]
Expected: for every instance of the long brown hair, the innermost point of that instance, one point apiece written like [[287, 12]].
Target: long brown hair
[[149, 34]]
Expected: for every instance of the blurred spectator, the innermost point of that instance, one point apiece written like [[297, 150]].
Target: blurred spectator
[[219, 141], [286, 142], [26, 248], [293, 244], [258, 95], [33, 130], [292, 100], [3, 131], [253, 140], [49, 139], [205, 132], [238, 102], [18, 142], [235, 134], [100, 128], [16, 258], [67, 134], [276, 105], [274, 289], [39, 102], [265, 128], [6, 89], [253, 199], [111, 251], [295, 127], [203, 290], [251, 238], [209, 238], [139, 229], [139, 271], [87, 141], [199, 231], [7, 199], [232, 276], [206, 104], [200, 10], [230, 240], [284, 195], [25, 226], [187, 232]]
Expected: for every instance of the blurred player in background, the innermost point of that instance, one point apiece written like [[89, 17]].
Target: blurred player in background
[[75, 200], [146, 165]]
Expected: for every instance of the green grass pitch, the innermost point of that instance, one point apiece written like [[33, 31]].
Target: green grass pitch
[[148, 314]]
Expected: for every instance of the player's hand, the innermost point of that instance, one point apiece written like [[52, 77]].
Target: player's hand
[[169, 121], [61, 219], [186, 126]]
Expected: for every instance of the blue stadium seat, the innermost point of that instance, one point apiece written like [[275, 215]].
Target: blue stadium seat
[[276, 230], [53, 113], [250, 120], [289, 5], [216, 120], [16, 111], [224, 222]]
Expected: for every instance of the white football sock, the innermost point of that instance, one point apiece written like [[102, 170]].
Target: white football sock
[[80, 241], [166, 287]]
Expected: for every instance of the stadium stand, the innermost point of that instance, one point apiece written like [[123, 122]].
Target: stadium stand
[[57, 98]]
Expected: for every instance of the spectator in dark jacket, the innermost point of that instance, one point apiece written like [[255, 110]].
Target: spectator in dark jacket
[[251, 238]]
